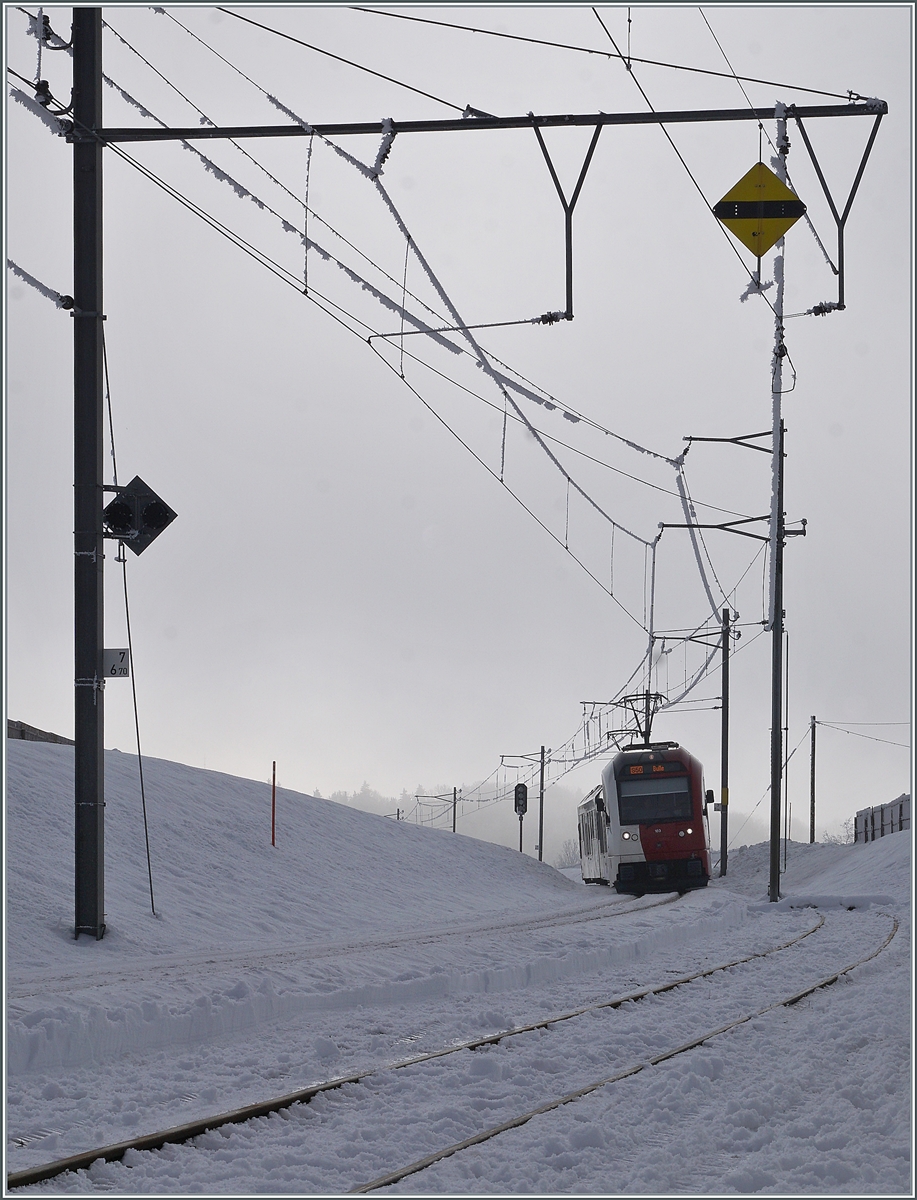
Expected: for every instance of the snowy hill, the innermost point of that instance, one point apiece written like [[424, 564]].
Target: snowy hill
[[362, 940]]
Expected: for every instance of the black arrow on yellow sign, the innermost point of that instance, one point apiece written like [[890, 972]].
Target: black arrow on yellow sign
[[759, 209]]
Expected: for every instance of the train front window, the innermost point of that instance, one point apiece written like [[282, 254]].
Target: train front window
[[641, 801]]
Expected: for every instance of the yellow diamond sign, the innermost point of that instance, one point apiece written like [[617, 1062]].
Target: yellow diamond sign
[[759, 209]]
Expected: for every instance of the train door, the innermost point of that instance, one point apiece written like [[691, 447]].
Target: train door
[[593, 838]]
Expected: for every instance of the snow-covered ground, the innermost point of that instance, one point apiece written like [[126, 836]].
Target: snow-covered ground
[[358, 942]]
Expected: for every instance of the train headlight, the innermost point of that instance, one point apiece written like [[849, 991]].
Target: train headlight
[[690, 831], [626, 836], [681, 833]]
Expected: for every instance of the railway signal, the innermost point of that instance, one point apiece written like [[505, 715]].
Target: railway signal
[[136, 516], [521, 804], [759, 209], [521, 799]]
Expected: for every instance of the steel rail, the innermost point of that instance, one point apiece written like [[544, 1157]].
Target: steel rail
[[191, 1129], [487, 1134]]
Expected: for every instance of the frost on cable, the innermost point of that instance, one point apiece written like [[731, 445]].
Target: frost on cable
[[53, 123], [42, 289], [388, 137]]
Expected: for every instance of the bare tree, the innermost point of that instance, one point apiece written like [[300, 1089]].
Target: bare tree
[[844, 838], [569, 855]]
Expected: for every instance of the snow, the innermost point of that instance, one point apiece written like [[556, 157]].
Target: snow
[[359, 941]]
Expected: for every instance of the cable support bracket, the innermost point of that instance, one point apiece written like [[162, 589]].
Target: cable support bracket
[[97, 685]]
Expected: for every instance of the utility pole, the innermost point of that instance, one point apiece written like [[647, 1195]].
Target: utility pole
[[724, 748], [89, 724], [812, 723], [777, 543], [777, 540], [454, 805], [541, 810]]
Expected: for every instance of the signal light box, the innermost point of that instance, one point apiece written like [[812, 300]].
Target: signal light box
[[136, 516], [521, 799]]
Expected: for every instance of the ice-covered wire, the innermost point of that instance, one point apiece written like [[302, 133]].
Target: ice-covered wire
[[52, 121], [39, 37], [245, 194], [59, 300], [567, 446], [548, 401], [204, 119], [281, 272], [206, 45], [700, 534], [690, 521], [479, 354], [485, 365]]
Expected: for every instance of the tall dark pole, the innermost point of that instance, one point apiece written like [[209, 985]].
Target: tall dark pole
[[541, 810], [454, 806], [777, 677], [812, 785], [87, 479], [724, 748]]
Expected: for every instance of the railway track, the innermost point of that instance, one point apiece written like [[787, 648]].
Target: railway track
[[190, 1130], [252, 958], [486, 1135]]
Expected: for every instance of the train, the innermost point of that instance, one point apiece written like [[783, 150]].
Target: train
[[644, 828]]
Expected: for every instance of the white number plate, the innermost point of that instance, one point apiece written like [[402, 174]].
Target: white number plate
[[116, 664]]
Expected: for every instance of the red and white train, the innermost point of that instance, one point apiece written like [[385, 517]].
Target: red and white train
[[644, 828]]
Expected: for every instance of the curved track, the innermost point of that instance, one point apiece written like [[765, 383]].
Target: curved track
[[187, 1131], [487, 1134]]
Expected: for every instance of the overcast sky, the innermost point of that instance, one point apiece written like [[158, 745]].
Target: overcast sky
[[349, 589]]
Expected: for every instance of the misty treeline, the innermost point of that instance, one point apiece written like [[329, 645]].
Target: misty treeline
[[369, 800]]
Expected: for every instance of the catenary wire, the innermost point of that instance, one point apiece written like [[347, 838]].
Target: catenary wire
[[263, 259], [602, 53], [869, 737], [263, 92], [247, 246], [700, 191], [580, 416], [865, 722], [806, 217], [292, 195], [347, 61], [288, 278]]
